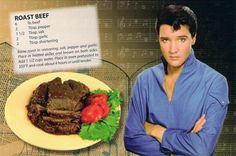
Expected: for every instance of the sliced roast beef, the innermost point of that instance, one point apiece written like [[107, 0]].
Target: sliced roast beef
[[55, 106]]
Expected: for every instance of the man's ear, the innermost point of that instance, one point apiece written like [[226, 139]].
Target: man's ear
[[194, 39]]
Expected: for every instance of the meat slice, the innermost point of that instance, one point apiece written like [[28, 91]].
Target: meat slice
[[63, 114], [66, 128], [66, 96], [35, 111], [80, 90], [40, 95]]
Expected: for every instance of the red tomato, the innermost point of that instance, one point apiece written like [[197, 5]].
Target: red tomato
[[97, 108], [91, 114], [105, 108], [96, 98]]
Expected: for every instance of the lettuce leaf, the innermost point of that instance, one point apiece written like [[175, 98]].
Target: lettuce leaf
[[105, 128]]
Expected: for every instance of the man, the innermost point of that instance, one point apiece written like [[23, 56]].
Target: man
[[177, 107]]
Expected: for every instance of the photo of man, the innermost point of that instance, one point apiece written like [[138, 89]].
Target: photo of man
[[178, 106]]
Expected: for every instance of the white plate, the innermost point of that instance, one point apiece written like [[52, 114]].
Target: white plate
[[17, 120]]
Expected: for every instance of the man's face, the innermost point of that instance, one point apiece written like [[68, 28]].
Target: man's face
[[175, 45]]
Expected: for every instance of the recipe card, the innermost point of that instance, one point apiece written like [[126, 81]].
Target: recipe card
[[55, 39]]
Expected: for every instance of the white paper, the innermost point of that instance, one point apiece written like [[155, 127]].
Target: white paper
[[55, 39]]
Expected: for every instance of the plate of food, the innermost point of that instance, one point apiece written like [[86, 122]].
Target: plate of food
[[63, 111]]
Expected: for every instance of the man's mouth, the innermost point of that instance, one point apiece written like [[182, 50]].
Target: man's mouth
[[174, 57]]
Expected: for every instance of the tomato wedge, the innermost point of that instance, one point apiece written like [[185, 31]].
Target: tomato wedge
[[97, 108], [96, 98], [91, 113]]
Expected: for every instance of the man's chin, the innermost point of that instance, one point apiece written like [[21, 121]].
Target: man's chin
[[176, 65]]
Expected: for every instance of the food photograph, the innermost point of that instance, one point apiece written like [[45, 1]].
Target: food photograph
[[117, 78]]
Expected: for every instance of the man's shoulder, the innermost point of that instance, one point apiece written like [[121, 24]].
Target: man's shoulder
[[210, 74], [217, 84], [151, 71]]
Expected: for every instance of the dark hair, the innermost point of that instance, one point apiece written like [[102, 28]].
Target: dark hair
[[176, 15]]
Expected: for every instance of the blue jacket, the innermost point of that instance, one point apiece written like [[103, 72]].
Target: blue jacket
[[199, 90]]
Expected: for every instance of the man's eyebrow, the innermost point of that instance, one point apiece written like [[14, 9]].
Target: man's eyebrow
[[163, 37], [182, 36]]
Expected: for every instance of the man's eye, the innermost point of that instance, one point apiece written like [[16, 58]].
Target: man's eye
[[182, 40], [164, 40]]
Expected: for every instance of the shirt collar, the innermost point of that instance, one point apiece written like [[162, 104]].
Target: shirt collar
[[189, 64]]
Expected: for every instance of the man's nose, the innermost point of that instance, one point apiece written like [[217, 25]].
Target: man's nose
[[173, 47]]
